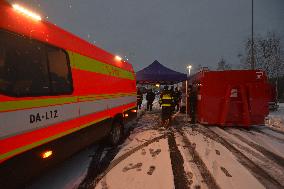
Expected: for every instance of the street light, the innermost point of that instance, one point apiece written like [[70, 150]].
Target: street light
[[186, 92], [189, 68]]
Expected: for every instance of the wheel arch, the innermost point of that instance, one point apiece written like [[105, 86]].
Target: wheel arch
[[118, 118]]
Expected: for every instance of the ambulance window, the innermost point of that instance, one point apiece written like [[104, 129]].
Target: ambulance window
[[59, 71], [31, 68], [23, 66]]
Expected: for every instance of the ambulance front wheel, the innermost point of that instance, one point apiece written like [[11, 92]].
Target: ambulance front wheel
[[116, 134]]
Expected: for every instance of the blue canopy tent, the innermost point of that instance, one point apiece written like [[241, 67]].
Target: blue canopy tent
[[157, 73]]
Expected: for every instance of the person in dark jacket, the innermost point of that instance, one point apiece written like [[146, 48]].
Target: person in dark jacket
[[150, 97], [173, 95], [167, 104], [139, 98], [192, 103], [177, 98]]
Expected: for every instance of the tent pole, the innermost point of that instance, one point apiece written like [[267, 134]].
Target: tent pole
[[186, 101]]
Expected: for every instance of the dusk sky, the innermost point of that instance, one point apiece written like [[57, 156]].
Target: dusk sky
[[175, 32]]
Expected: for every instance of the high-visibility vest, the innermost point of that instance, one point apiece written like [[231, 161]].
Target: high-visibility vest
[[166, 99]]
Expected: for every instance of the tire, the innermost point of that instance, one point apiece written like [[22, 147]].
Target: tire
[[115, 134]]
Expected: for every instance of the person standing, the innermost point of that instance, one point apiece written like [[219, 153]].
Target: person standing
[[167, 104], [192, 104], [150, 97], [173, 95], [177, 98], [139, 98]]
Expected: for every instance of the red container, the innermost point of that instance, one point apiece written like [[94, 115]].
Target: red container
[[231, 98]]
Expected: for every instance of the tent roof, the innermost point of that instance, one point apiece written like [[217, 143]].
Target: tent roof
[[157, 73]]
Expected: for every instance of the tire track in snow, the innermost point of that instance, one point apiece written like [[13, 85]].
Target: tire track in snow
[[270, 166], [261, 175], [253, 131], [205, 173], [101, 161], [267, 160], [94, 169], [276, 130], [270, 155], [180, 178]]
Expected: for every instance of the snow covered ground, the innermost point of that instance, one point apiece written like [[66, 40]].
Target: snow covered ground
[[185, 156], [144, 165], [276, 118], [196, 156]]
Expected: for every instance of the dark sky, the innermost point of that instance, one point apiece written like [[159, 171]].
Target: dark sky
[[175, 32]]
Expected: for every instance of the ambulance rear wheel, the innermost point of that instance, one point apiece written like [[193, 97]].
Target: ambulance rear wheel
[[116, 133]]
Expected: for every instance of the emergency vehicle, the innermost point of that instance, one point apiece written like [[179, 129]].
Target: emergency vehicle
[[58, 94]]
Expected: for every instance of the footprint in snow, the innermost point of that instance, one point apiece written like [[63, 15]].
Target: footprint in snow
[[151, 170], [130, 166], [154, 153], [143, 152], [189, 175], [138, 140], [226, 172], [218, 152]]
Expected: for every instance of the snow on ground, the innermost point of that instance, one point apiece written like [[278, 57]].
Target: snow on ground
[[193, 174], [221, 163], [275, 119], [149, 167], [263, 152], [273, 144], [270, 131], [145, 130], [211, 157], [143, 161]]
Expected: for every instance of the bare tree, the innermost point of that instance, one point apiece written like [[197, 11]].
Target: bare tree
[[246, 58], [268, 55], [199, 67], [222, 65]]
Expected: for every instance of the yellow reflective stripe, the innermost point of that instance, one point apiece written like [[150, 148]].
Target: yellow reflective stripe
[[43, 141], [167, 98], [35, 103], [88, 64], [24, 104], [129, 108], [103, 96], [166, 105]]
